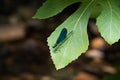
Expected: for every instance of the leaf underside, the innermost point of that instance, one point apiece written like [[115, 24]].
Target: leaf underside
[[108, 20], [77, 43], [52, 7]]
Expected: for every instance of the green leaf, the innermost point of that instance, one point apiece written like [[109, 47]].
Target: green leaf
[[77, 42], [96, 11], [52, 7], [109, 21]]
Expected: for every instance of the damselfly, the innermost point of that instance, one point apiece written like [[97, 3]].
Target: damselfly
[[62, 38]]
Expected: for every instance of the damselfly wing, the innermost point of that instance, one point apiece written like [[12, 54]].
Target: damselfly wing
[[62, 36]]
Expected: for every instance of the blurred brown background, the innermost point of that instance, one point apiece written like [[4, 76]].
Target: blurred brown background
[[24, 54]]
